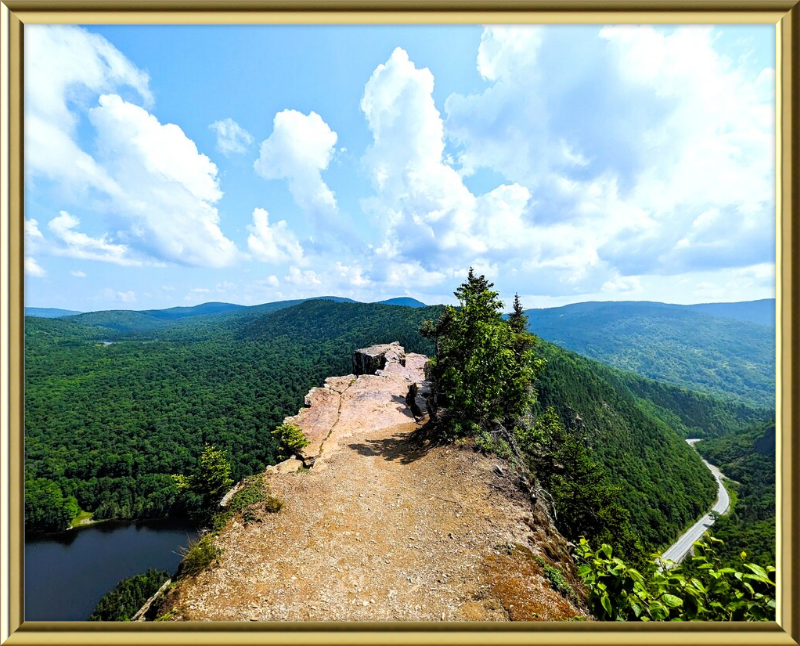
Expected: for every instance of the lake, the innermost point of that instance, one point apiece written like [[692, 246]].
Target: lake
[[67, 573]]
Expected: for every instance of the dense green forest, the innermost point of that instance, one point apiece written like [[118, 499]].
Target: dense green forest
[[717, 355], [748, 459], [125, 599], [106, 425], [664, 486]]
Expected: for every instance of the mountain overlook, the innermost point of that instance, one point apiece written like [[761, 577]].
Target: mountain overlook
[[384, 525]]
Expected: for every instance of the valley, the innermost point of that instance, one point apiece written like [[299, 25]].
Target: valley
[[139, 398]]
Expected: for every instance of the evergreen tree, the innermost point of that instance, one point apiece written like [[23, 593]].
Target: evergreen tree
[[517, 319], [484, 368], [211, 480]]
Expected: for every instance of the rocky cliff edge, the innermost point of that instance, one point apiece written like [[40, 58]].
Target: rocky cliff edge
[[385, 525]]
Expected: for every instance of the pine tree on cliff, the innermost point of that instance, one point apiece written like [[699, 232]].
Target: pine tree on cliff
[[484, 368]]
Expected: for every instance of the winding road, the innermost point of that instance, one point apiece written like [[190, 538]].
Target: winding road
[[680, 548]]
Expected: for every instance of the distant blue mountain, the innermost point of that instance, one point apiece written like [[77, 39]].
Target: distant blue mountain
[[762, 312], [404, 301], [196, 310], [48, 312]]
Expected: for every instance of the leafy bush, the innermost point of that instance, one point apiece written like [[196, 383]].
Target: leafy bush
[[125, 599], [290, 440], [212, 477], [621, 593]]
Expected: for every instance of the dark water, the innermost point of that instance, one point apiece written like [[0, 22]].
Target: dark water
[[67, 573]]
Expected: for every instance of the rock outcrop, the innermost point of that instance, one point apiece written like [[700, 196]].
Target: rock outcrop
[[367, 361], [372, 398]]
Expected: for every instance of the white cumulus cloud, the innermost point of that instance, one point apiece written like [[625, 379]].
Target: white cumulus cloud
[[654, 155], [273, 244], [157, 192], [75, 244], [231, 137], [32, 268], [300, 147]]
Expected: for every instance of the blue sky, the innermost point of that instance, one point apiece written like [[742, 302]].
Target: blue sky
[[174, 165]]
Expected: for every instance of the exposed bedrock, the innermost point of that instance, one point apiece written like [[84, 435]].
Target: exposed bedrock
[[377, 395]]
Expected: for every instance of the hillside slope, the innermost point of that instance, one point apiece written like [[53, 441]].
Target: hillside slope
[[721, 356], [664, 483]]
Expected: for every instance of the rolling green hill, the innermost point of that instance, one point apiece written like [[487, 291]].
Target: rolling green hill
[[405, 301], [724, 357], [761, 311], [141, 409]]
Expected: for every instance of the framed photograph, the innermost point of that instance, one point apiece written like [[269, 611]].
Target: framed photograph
[[375, 322]]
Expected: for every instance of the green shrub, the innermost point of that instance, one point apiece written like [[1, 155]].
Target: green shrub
[[290, 440], [211, 479], [273, 505], [557, 579], [708, 593]]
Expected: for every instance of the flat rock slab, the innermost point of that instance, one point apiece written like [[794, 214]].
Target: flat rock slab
[[349, 405]]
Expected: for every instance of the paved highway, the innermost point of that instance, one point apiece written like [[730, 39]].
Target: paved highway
[[680, 548]]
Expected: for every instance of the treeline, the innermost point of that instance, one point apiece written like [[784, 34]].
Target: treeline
[[107, 425], [748, 459]]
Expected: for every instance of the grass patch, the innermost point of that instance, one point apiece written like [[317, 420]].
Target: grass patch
[[197, 556], [253, 491], [557, 579], [167, 616], [83, 518]]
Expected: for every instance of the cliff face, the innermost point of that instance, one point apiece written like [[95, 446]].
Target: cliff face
[[384, 525]]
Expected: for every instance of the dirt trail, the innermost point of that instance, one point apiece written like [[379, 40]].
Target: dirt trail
[[390, 528]]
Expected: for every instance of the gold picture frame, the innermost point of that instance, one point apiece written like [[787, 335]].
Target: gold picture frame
[[14, 14]]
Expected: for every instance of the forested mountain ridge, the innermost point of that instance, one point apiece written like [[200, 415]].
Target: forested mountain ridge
[[141, 408], [760, 311], [48, 312], [724, 357]]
